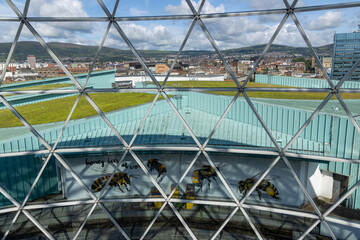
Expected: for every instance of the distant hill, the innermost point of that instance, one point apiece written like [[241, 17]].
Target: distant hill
[[65, 50], [325, 50]]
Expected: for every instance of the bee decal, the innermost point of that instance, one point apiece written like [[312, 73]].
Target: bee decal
[[154, 164], [120, 179], [206, 172], [265, 185]]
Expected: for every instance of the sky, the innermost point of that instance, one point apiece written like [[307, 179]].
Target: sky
[[231, 32]]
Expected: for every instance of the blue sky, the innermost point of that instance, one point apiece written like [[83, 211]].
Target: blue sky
[[168, 35]]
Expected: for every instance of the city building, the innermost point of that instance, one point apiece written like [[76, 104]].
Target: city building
[[161, 68], [31, 59], [346, 53]]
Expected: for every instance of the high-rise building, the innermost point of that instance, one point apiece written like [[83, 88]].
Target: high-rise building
[[346, 52], [32, 61]]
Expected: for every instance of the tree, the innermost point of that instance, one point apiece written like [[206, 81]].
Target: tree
[[299, 59]]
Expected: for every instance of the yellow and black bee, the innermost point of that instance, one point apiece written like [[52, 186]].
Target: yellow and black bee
[[265, 185], [154, 164], [120, 179], [206, 172]]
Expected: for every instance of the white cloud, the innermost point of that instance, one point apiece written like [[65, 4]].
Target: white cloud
[[159, 37], [64, 8], [271, 4], [184, 8], [329, 20], [137, 12], [229, 32]]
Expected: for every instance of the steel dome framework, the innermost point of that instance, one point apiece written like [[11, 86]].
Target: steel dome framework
[[238, 205]]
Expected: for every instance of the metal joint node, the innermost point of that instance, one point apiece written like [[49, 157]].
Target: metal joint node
[[241, 90], [290, 11], [334, 91], [197, 17], [321, 218], [111, 19], [22, 19], [281, 154]]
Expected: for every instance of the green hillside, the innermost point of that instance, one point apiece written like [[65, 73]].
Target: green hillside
[[258, 49], [69, 50]]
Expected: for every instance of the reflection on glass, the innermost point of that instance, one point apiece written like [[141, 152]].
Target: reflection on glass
[[62, 222], [24, 228], [279, 226]]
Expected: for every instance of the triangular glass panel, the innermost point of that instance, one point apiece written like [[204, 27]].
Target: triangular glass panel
[[203, 220], [61, 222], [110, 5], [330, 133], [6, 220], [132, 217], [79, 165], [351, 101], [99, 225], [162, 125], [24, 228], [241, 128], [279, 226], [86, 127], [167, 225], [125, 111], [237, 228], [146, 8], [37, 65], [341, 231], [240, 172], [166, 168], [19, 174], [49, 187], [7, 10], [158, 44], [202, 110], [104, 61], [202, 181], [75, 8], [130, 72], [78, 55], [289, 63], [279, 187], [241, 56], [205, 67]]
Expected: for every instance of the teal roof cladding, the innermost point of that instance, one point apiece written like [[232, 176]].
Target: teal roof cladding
[[327, 135], [100, 79]]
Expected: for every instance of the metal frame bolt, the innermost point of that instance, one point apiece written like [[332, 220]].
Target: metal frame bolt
[[334, 91]]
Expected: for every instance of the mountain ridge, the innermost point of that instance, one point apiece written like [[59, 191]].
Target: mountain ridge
[[77, 51]]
